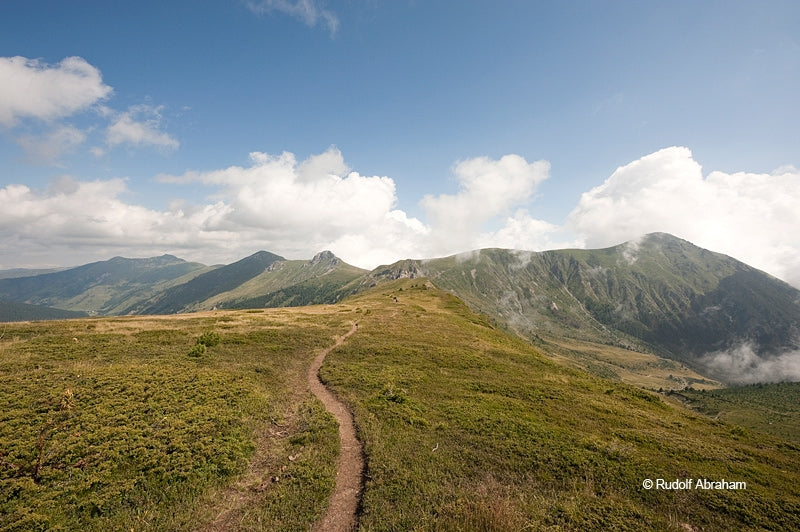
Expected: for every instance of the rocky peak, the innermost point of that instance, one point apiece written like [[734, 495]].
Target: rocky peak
[[325, 257]]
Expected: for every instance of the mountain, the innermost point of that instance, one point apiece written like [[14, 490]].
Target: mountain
[[186, 296], [99, 287], [260, 280], [660, 293], [14, 273], [22, 312], [323, 279]]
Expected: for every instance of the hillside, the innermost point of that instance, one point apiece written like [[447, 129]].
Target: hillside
[[14, 273], [23, 312], [468, 428], [661, 293], [261, 280], [769, 408], [110, 424], [99, 287], [291, 283], [465, 428]]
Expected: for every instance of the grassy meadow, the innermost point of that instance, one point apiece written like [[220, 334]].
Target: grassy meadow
[[204, 422], [123, 424], [642, 369], [771, 408], [467, 428]]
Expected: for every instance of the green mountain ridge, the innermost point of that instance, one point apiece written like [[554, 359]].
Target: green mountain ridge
[[99, 287], [23, 312], [658, 294]]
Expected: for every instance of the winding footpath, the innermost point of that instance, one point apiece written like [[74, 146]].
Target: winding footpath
[[343, 505]]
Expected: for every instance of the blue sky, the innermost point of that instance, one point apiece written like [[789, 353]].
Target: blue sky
[[384, 130]]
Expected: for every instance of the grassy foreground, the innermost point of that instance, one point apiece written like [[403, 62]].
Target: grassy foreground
[[124, 424], [467, 428], [128, 424]]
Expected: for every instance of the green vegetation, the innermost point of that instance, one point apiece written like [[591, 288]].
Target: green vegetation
[[645, 370], [467, 428], [770, 408], [108, 425], [24, 312], [661, 295], [106, 287]]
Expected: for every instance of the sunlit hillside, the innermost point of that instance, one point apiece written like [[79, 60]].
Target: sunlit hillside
[[205, 422]]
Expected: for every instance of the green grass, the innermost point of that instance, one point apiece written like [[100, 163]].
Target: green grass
[[467, 428], [770, 408], [641, 369], [111, 425]]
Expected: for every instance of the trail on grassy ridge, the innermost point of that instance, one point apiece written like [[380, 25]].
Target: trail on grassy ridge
[[341, 514], [343, 504]]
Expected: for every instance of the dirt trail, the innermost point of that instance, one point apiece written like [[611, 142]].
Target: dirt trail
[[341, 514]]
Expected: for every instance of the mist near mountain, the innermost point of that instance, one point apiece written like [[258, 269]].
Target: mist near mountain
[[743, 365], [657, 293]]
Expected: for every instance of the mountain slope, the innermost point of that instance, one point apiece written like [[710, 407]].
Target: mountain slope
[[222, 279], [98, 287], [23, 312], [659, 294], [323, 279], [261, 280], [468, 428], [676, 298]]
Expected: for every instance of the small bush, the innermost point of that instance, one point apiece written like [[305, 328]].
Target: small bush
[[209, 339], [198, 350]]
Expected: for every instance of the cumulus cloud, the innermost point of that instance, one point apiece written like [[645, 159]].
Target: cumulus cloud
[[275, 202], [488, 189], [35, 89], [38, 98], [752, 217], [309, 12], [743, 366], [299, 207], [140, 125], [80, 220]]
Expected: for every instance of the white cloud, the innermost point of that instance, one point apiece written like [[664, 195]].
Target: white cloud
[[275, 203], [54, 143], [488, 189], [742, 365], [78, 221], [753, 217], [308, 11], [523, 232], [297, 208], [140, 125], [301, 208], [34, 89]]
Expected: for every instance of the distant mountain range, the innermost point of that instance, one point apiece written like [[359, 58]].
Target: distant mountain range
[[659, 293]]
